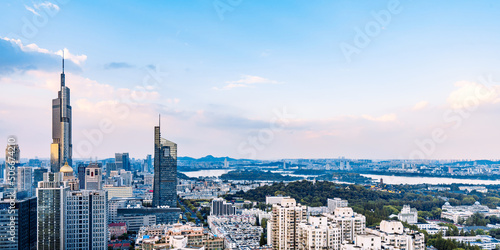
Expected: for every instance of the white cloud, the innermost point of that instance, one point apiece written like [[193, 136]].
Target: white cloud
[[30, 9], [246, 81], [420, 105], [47, 6], [77, 59], [383, 118], [471, 94]]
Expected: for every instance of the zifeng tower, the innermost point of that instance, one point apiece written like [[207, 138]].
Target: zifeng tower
[[61, 147]]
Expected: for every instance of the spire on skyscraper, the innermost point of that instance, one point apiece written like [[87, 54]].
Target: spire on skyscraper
[[63, 62]]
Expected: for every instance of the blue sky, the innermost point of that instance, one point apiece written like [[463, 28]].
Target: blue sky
[[218, 82]]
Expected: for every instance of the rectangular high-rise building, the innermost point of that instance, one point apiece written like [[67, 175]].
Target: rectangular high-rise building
[[93, 177], [219, 206], [165, 172], [24, 180], [149, 162], [282, 228], [122, 161], [86, 221], [81, 174], [61, 148], [51, 212], [18, 224]]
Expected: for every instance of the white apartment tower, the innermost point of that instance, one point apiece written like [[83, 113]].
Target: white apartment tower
[[351, 223], [318, 233], [282, 228]]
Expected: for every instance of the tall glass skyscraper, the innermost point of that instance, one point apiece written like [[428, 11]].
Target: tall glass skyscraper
[[165, 172], [61, 147], [51, 215]]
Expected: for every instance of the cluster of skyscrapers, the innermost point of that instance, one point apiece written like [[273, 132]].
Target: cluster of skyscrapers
[[71, 211]]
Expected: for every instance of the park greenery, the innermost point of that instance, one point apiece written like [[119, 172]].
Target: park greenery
[[258, 175], [377, 204]]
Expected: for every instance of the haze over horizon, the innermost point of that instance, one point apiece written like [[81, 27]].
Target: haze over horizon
[[264, 80]]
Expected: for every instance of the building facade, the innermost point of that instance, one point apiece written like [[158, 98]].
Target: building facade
[[219, 206], [51, 198], [122, 161], [86, 219], [62, 147], [165, 172], [93, 177], [408, 214], [282, 229], [18, 224]]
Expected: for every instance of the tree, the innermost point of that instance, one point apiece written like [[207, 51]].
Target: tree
[[263, 240], [264, 224]]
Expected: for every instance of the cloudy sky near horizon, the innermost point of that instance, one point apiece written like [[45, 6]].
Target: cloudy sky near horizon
[[256, 79]]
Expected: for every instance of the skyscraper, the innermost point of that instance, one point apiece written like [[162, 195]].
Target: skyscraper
[[122, 161], [87, 220], [51, 198], [149, 161], [81, 175], [61, 148], [24, 180], [18, 224], [165, 172]]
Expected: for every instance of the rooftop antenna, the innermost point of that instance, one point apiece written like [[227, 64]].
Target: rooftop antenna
[[63, 61], [159, 120]]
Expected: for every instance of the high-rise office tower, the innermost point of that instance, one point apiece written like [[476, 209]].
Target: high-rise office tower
[[81, 175], [24, 180], [38, 176], [165, 172], [51, 215], [149, 161], [61, 148], [87, 219], [12, 161], [18, 224], [93, 177], [122, 161]]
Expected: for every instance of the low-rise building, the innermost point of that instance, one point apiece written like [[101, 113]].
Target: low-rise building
[[177, 236], [117, 229], [483, 241], [408, 214], [462, 213], [238, 231]]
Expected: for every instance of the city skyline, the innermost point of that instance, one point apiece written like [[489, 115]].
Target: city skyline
[[303, 74]]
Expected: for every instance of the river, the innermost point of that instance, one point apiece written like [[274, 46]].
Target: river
[[389, 179]]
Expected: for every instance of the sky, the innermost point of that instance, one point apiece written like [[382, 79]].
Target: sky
[[256, 79]]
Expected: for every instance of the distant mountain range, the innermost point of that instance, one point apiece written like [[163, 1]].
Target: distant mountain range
[[209, 158]]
